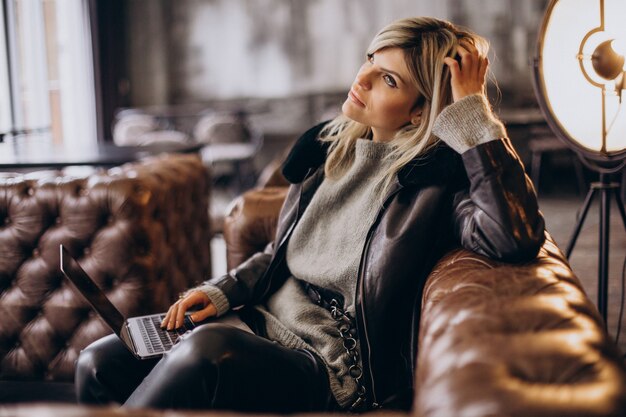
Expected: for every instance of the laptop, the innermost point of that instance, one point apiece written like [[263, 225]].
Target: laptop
[[142, 335]]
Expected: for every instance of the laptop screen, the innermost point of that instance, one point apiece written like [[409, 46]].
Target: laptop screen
[[94, 295]]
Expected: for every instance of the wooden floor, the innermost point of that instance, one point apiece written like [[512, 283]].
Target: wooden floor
[[560, 213]]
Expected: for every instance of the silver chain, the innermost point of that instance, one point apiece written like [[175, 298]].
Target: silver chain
[[347, 332]]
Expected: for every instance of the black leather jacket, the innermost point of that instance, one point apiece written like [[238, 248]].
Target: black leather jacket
[[481, 199]]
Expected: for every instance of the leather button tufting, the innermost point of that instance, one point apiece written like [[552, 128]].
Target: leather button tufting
[[63, 209]]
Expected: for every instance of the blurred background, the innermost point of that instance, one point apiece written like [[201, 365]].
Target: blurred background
[[287, 63]]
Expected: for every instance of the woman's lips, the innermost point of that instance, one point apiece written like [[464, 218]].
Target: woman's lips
[[352, 95]]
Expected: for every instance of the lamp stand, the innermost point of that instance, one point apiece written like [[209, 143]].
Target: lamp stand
[[606, 188]]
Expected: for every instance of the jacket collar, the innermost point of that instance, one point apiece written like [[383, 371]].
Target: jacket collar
[[440, 165]]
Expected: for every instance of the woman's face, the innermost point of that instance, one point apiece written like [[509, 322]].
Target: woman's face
[[383, 95]]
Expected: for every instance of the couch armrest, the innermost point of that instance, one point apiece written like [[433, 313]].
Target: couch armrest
[[140, 230], [250, 223], [515, 340]]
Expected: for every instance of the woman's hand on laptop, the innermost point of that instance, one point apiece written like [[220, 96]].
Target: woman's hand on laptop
[[176, 314]]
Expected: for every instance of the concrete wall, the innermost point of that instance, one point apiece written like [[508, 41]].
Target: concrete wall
[[149, 51], [201, 50]]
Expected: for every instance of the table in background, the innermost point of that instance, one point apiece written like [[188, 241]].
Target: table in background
[[24, 152]]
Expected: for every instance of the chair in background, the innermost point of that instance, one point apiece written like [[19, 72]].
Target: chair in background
[[231, 145], [134, 128]]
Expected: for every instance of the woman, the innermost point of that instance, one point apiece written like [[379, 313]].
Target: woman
[[416, 163]]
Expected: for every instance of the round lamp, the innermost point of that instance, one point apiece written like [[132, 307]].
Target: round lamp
[[579, 82]]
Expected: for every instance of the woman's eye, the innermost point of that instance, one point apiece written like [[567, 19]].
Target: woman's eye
[[389, 80]]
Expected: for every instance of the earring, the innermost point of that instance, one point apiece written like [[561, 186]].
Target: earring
[[415, 120]]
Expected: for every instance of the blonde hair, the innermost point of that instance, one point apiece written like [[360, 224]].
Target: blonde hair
[[425, 42]]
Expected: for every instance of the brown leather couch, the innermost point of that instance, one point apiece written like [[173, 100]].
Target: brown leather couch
[[140, 230], [496, 339]]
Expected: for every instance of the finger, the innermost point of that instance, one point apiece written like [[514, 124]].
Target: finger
[[473, 52], [209, 311], [470, 47], [180, 313], [482, 74], [167, 317], [470, 58], [466, 57], [455, 70], [171, 324]]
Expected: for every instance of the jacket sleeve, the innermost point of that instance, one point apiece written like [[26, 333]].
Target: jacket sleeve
[[498, 215], [235, 288], [243, 284]]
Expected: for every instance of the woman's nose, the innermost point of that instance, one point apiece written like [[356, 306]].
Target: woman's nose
[[363, 79]]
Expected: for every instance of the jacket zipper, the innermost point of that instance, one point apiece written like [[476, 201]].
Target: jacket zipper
[[361, 284]]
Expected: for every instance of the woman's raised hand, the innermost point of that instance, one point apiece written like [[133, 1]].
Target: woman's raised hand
[[469, 77], [176, 314]]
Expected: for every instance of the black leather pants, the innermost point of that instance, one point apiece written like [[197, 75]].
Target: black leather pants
[[214, 367]]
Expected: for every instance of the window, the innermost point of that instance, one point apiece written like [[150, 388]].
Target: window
[[46, 71], [5, 86]]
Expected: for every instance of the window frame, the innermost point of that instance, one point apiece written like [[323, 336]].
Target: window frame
[[26, 101]]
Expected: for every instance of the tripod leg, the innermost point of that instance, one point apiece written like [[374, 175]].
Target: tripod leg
[[581, 220], [620, 206], [580, 175], [603, 259]]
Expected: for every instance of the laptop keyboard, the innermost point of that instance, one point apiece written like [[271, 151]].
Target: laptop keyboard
[[160, 340]]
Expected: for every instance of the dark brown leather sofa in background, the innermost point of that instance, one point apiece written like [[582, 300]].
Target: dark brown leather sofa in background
[[140, 230], [495, 339]]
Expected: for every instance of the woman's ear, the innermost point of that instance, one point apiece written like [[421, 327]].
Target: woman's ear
[[416, 118], [416, 111]]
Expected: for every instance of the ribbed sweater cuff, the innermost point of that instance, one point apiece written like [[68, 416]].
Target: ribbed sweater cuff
[[216, 295], [468, 123]]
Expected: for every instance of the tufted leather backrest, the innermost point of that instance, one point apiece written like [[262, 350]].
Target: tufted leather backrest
[[496, 339], [140, 230], [517, 340]]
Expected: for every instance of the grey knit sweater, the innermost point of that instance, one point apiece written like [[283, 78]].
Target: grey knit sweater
[[325, 249], [327, 243]]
